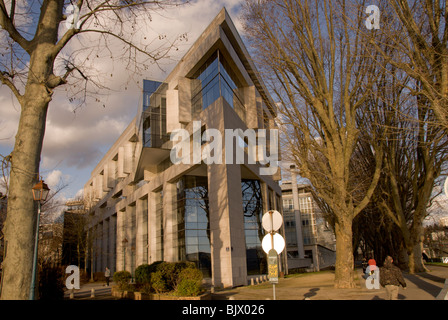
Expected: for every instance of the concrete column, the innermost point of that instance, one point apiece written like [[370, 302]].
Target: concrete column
[[105, 245], [121, 234], [184, 100], [142, 230], [120, 163], [113, 243], [152, 227], [250, 102], [131, 236], [170, 236], [228, 249], [139, 232]]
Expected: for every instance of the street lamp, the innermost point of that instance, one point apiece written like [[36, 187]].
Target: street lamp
[[40, 193]]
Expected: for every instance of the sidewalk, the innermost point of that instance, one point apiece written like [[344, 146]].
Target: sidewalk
[[309, 286], [319, 286], [84, 293]]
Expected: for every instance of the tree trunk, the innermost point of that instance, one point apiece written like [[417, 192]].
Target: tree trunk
[[344, 275], [416, 259], [21, 212]]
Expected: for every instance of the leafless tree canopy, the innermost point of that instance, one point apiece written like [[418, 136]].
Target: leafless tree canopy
[[320, 67], [43, 47], [362, 110]]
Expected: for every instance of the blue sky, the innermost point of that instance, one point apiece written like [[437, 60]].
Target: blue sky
[[77, 138]]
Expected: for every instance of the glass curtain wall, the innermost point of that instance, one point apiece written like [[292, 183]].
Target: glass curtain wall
[[194, 222], [253, 213], [154, 114], [213, 80]]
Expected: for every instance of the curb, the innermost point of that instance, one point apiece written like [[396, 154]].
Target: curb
[[443, 295]]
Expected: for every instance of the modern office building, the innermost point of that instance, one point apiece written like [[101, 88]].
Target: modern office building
[[147, 208], [310, 241]]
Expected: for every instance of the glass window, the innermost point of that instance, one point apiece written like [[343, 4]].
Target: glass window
[[253, 212], [193, 222], [213, 80]]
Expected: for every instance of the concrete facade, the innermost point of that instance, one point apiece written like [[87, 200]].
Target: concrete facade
[[137, 213]]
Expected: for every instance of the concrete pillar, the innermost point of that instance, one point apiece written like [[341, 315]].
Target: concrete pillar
[[142, 231], [154, 226], [228, 249], [105, 244], [170, 234], [121, 234], [131, 236], [113, 243]]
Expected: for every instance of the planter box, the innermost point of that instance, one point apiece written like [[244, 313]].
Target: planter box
[[117, 293], [155, 296], [128, 295], [142, 296]]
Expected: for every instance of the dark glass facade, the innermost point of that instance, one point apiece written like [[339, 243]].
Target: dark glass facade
[[154, 115], [193, 218], [254, 232], [213, 80]]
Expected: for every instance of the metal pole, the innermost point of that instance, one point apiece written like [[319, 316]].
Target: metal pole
[[36, 244], [272, 242]]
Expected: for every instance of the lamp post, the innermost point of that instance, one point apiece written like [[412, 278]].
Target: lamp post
[[40, 193]]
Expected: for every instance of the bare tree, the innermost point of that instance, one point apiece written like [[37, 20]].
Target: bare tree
[[322, 72], [415, 150], [35, 60], [419, 31]]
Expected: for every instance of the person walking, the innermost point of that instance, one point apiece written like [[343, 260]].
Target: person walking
[[364, 265], [391, 278], [107, 276]]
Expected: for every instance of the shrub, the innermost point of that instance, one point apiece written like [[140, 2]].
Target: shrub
[[188, 288], [189, 282], [122, 278], [158, 282], [191, 274], [143, 274], [164, 277]]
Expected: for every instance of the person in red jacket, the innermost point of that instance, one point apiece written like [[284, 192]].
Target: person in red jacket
[[372, 265]]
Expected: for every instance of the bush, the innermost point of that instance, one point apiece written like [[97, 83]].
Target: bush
[[158, 282], [188, 288], [164, 277], [191, 274], [189, 282], [122, 278], [143, 274], [168, 273]]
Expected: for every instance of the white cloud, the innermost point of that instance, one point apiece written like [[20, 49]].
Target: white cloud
[[55, 177]]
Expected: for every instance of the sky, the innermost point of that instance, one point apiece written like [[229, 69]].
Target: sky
[[76, 138]]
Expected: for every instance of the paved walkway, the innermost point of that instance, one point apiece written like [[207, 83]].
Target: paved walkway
[[319, 286], [309, 286]]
